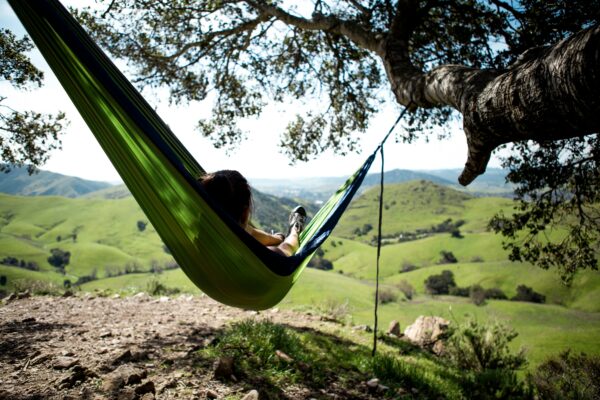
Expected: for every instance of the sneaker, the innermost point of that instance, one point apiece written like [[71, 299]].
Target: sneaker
[[297, 219]]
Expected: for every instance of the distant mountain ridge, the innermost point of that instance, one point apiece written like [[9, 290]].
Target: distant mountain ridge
[[490, 183], [44, 183], [19, 182]]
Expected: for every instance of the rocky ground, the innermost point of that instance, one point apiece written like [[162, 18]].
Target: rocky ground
[[89, 347]]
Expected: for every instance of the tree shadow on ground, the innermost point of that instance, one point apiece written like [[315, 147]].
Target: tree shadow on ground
[[18, 338]]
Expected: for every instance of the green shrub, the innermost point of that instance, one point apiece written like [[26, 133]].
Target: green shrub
[[407, 289], [334, 309], [408, 266], [568, 376], [477, 295], [489, 367], [59, 259], [525, 293], [459, 291], [141, 225], [495, 293], [37, 287], [447, 258], [440, 284], [156, 288], [387, 296]]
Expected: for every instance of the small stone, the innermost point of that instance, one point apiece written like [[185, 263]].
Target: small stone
[[105, 334], [251, 395], [10, 297], [112, 382], [147, 396], [365, 328], [65, 362], [373, 383], [78, 375], [124, 375], [24, 295], [211, 394], [126, 394], [284, 357], [68, 293], [146, 387], [394, 328], [39, 359], [224, 368], [28, 320], [274, 310], [163, 299]]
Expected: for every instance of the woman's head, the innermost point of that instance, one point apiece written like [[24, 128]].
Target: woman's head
[[231, 191]]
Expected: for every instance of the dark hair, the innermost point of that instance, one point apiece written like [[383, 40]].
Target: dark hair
[[230, 190]]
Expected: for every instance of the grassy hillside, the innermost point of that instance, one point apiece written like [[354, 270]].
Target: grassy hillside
[[103, 237], [19, 182], [417, 206]]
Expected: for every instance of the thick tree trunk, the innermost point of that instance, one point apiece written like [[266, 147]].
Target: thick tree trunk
[[550, 93]]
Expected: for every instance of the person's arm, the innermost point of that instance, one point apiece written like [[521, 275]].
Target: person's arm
[[265, 238]]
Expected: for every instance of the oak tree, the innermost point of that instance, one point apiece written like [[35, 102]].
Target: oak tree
[[520, 73], [26, 137]]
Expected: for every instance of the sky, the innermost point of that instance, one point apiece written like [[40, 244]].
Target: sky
[[257, 157]]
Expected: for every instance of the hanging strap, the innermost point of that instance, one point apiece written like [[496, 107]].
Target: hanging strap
[[380, 220]]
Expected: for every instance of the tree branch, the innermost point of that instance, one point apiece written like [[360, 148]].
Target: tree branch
[[360, 7], [319, 22], [502, 4]]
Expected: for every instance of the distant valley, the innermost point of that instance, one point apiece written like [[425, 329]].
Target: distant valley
[[45, 183], [98, 239]]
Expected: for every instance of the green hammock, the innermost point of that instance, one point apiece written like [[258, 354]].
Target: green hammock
[[213, 250]]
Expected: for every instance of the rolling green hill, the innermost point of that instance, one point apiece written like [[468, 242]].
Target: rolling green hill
[[103, 235], [44, 183]]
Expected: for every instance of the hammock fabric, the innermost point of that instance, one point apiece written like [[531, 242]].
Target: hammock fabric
[[215, 253]]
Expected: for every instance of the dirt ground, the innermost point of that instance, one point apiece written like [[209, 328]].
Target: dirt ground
[[88, 347]]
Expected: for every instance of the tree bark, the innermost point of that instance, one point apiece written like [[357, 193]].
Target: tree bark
[[548, 94]]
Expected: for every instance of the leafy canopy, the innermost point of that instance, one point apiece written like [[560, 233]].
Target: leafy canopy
[[337, 58], [26, 137]]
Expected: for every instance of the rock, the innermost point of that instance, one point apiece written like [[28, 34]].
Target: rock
[[394, 328], [365, 328], [129, 356], [126, 394], [10, 297], [251, 395], [211, 394], [122, 376], [146, 387], [224, 368], [163, 299], [373, 383], [78, 375], [24, 295], [112, 382], [147, 396], [65, 362], [283, 357], [40, 359], [427, 331], [68, 293]]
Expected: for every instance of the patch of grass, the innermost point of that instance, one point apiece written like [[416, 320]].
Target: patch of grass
[[318, 360], [156, 288], [35, 287], [413, 380]]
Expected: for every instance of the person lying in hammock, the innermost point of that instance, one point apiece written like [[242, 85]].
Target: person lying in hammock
[[232, 191]]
